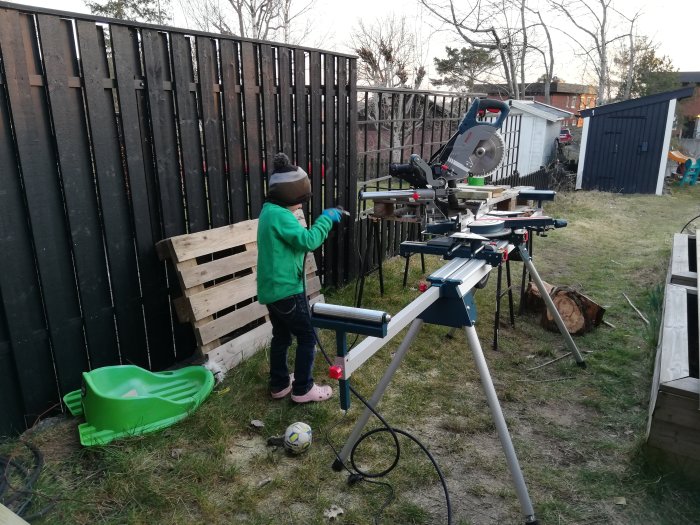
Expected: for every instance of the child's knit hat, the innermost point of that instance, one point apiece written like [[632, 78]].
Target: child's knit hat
[[288, 184]]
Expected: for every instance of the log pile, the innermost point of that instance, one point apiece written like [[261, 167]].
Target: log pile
[[579, 312]]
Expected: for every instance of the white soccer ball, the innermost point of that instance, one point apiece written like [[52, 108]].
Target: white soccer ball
[[297, 437]]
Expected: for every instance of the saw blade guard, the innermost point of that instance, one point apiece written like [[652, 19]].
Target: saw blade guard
[[484, 104]]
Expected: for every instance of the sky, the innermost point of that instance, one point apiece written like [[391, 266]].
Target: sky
[[671, 24]]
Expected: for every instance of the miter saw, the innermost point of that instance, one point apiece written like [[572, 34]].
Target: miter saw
[[473, 152]]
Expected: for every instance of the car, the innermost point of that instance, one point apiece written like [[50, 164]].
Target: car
[[565, 136]]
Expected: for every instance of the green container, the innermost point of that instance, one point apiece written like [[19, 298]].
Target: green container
[[476, 181], [126, 400]]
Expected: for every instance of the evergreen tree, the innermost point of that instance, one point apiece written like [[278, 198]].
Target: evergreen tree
[[463, 67], [150, 11]]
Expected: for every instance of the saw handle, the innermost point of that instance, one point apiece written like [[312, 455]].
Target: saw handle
[[483, 105]]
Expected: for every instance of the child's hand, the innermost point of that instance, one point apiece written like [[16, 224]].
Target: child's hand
[[334, 214]]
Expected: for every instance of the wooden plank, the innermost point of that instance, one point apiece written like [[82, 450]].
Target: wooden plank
[[342, 176], [185, 247], [210, 103], [146, 222], [353, 269], [224, 295], [233, 117], [284, 66], [680, 262], [156, 59], [685, 386], [26, 367], [35, 152], [230, 322], [681, 410], [269, 106], [190, 137], [316, 134], [329, 164], [251, 103], [7, 517], [233, 352], [106, 151], [675, 438], [674, 347], [301, 112], [218, 268], [79, 192]]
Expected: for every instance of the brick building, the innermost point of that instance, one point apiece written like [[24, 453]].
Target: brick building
[[689, 109], [569, 97]]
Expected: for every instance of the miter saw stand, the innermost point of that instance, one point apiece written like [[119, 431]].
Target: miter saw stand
[[447, 302]]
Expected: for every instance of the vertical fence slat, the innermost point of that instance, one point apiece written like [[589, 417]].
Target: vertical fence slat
[[234, 131], [269, 94], [342, 174], [210, 102], [190, 138], [112, 186], [79, 192], [20, 289], [144, 205], [249, 74], [329, 165], [156, 59], [46, 209], [301, 109], [285, 100], [351, 93]]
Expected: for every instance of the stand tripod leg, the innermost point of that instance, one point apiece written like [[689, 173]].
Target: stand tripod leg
[[501, 427], [527, 261], [364, 267], [378, 393]]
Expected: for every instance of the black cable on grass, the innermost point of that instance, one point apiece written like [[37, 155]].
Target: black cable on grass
[[688, 223], [370, 476], [18, 499]]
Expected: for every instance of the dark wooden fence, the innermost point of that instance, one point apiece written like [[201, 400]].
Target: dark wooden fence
[[115, 135]]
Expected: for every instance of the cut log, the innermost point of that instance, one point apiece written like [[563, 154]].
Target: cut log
[[579, 312]]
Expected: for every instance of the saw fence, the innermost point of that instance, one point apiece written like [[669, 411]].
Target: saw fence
[[674, 415], [217, 274]]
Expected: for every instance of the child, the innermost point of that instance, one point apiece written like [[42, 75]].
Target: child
[[282, 247]]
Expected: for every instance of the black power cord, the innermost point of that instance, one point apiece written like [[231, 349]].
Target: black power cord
[[358, 474], [18, 499]]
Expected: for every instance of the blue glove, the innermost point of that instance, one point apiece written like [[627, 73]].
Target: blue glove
[[333, 214]]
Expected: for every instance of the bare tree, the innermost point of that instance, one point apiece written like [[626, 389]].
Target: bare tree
[[548, 61], [259, 19], [494, 25], [598, 20], [388, 59]]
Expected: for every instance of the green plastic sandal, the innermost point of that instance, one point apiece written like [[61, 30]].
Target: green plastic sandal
[[126, 400]]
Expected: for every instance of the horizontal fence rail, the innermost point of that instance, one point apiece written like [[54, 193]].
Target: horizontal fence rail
[[115, 135]]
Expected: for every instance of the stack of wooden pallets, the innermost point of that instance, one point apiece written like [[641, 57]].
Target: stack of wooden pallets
[[217, 273]]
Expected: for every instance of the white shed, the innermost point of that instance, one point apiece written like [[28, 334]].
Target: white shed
[[539, 130]]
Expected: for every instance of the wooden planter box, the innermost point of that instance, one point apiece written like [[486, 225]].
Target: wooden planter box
[[674, 409]]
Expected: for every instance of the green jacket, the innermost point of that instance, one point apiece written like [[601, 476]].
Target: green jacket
[[282, 246]]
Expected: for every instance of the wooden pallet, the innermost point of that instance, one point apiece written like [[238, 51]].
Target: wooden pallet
[[217, 273]]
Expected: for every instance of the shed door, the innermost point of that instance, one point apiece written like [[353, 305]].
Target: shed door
[[620, 154]]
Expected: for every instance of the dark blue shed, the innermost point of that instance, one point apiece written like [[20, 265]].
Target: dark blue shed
[[624, 145]]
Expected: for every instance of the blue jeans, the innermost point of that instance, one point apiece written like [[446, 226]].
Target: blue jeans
[[290, 316]]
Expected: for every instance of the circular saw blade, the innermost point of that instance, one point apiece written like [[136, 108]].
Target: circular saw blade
[[487, 155]]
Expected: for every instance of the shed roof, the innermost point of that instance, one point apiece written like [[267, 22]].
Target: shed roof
[[638, 102], [541, 110], [689, 77]]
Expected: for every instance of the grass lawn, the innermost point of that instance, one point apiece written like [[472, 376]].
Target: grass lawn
[[579, 433]]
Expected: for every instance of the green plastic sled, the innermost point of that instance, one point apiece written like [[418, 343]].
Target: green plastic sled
[[126, 400]]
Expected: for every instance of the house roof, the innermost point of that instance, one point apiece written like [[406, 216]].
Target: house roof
[[541, 110], [638, 102], [689, 77]]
